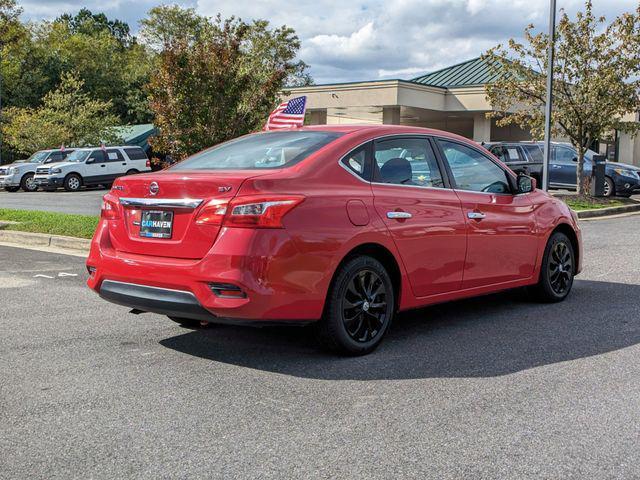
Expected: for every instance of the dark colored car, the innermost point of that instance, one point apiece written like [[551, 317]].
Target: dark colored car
[[621, 179]]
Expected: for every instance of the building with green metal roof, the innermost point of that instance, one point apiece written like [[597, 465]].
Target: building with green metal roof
[[451, 99]]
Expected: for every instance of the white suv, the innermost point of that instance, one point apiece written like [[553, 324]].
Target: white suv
[[92, 166], [20, 174]]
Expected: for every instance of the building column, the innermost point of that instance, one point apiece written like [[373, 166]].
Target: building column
[[317, 116], [481, 128], [391, 115]]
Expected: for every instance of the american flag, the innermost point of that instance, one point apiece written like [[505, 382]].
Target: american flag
[[288, 114]]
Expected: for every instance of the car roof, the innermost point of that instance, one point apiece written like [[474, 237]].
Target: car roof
[[379, 130], [87, 149]]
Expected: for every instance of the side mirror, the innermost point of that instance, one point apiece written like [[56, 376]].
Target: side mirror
[[526, 184], [575, 159], [89, 160]]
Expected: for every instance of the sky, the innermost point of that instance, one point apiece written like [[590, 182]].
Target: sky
[[353, 40]]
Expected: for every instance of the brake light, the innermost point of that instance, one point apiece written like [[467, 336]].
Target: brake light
[[249, 212], [148, 164], [109, 210], [212, 213]]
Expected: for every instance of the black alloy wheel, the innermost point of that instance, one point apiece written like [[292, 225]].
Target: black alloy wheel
[[359, 308], [560, 267], [364, 306], [557, 270]]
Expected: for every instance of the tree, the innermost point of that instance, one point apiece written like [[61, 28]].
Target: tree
[[88, 23], [215, 79], [68, 116], [596, 80]]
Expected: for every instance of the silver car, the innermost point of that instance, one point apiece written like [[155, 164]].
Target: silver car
[[20, 174]]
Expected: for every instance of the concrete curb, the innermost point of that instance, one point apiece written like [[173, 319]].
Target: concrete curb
[[45, 240], [609, 211]]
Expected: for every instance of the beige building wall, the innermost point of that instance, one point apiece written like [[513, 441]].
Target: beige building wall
[[460, 110]]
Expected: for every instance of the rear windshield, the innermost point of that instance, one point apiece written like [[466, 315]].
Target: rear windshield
[[259, 151]]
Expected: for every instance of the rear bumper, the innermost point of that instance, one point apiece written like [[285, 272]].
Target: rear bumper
[[280, 284], [173, 303]]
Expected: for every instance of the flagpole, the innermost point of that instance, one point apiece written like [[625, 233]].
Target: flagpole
[[549, 100]]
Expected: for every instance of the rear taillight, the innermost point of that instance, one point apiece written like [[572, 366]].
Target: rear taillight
[[212, 213], [109, 209], [249, 212], [148, 164]]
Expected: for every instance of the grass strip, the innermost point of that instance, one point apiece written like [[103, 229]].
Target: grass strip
[[53, 223]]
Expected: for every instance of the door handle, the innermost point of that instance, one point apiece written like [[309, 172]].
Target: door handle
[[476, 215], [124, 164], [398, 215], [103, 165]]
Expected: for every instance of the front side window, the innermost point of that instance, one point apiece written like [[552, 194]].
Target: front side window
[[259, 151], [407, 161], [55, 157], [78, 156], [97, 156], [472, 170], [37, 157], [564, 155]]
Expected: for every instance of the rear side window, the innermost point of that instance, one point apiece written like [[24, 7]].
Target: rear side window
[[135, 153], [509, 153], [259, 151], [357, 161], [407, 161], [114, 155], [534, 152]]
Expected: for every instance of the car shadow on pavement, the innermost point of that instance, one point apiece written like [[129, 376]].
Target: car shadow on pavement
[[482, 337]]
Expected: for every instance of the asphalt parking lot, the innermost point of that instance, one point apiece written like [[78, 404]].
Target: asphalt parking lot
[[495, 387]]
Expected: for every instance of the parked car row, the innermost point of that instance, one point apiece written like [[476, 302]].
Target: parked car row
[[72, 169], [621, 179]]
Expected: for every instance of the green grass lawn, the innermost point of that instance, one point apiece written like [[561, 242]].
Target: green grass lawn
[[589, 203], [81, 226]]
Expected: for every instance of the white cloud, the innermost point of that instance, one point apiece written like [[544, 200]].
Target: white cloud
[[368, 39]]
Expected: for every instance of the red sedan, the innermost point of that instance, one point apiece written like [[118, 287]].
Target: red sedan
[[340, 226]]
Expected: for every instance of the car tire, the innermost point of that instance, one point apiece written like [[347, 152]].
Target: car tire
[[27, 184], [359, 308], [12, 189], [72, 182], [189, 323], [557, 270], [133, 171], [609, 187]]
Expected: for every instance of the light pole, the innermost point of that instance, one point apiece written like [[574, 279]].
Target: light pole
[[549, 104]]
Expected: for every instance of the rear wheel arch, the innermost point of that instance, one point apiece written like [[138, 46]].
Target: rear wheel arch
[[571, 234], [384, 256]]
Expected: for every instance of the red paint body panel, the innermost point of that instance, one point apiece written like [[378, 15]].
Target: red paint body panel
[[286, 272]]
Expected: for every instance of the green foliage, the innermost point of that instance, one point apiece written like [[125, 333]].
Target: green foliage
[[71, 225], [102, 52], [596, 80], [68, 116], [216, 79], [87, 23]]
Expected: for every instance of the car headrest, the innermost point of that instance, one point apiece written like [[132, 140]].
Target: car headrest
[[396, 170]]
